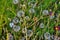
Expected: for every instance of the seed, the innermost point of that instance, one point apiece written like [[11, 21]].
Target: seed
[[20, 13], [51, 17], [15, 1], [32, 4], [11, 24], [27, 18], [31, 10], [41, 25], [16, 28], [47, 35], [45, 12], [15, 20]]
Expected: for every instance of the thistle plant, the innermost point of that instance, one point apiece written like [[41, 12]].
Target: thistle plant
[[29, 19]]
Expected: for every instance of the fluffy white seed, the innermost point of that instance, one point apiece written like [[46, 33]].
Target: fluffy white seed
[[32, 4], [15, 20], [41, 25], [47, 35], [16, 28], [31, 10], [27, 18], [45, 12], [51, 17], [29, 33], [15, 1], [20, 13], [11, 24]]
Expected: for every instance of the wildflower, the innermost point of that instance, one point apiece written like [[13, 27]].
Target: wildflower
[[15, 1], [29, 33], [16, 28], [31, 10], [57, 28], [20, 13], [45, 12], [11, 24], [41, 25], [15, 20], [47, 35]]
